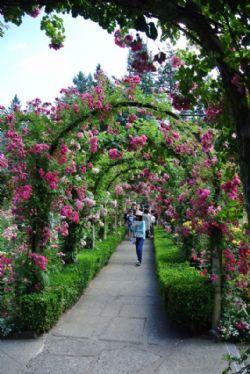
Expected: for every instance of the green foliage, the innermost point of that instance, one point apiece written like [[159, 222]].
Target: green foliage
[[54, 29], [240, 361], [15, 103], [5, 193], [39, 312], [141, 24], [187, 296], [82, 82]]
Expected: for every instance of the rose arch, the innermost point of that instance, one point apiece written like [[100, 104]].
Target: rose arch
[[73, 167]]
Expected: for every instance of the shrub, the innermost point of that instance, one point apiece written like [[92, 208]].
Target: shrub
[[187, 296], [38, 312]]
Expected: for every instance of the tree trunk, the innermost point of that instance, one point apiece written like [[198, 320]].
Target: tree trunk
[[35, 239], [217, 302], [216, 261], [116, 219], [241, 120], [105, 229], [93, 236], [70, 243]]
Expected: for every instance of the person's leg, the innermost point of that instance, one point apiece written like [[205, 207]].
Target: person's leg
[[139, 245], [130, 234], [150, 232]]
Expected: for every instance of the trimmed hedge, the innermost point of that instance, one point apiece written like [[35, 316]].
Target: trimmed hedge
[[187, 296], [40, 311]]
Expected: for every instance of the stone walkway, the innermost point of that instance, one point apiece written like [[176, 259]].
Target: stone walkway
[[117, 327]]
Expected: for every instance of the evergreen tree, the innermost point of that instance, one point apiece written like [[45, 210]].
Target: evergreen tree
[[15, 104], [147, 77], [165, 78], [83, 82], [160, 80]]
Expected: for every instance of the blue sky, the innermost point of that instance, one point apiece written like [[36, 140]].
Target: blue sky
[[30, 69]]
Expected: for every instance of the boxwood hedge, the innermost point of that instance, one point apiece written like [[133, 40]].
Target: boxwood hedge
[[188, 297], [40, 311]]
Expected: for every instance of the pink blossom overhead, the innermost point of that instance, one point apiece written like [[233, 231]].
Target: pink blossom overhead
[[39, 260], [89, 202], [114, 154], [138, 141], [39, 148], [51, 177], [119, 190], [63, 229], [203, 193], [23, 193], [207, 141], [231, 187], [35, 12], [176, 62], [212, 112], [93, 141], [3, 162]]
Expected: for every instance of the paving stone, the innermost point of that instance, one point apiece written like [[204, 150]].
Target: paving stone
[[100, 294], [84, 327], [9, 365], [112, 310], [139, 290], [139, 300], [14, 354], [125, 329], [113, 284], [128, 360], [159, 330], [61, 345], [92, 307], [100, 297], [195, 356], [136, 311], [117, 272], [50, 364]]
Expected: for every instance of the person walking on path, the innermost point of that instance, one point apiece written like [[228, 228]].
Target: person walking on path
[[129, 220], [147, 220], [134, 207], [138, 228]]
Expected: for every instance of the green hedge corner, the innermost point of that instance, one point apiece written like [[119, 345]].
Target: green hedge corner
[[39, 312], [187, 297]]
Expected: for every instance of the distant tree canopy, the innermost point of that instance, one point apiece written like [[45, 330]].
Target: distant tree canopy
[[15, 103], [82, 82]]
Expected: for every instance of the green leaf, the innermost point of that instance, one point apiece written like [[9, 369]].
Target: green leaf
[[140, 24]]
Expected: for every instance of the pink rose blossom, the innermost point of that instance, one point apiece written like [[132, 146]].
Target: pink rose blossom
[[114, 154], [119, 190], [39, 148], [88, 202], [39, 260], [176, 62], [63, 229], [23, 193], [3, 162], [79, 204], [93, 141], [214, 277]]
